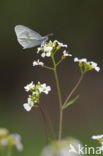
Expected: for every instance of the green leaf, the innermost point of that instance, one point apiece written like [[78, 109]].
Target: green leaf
[[70, 102]]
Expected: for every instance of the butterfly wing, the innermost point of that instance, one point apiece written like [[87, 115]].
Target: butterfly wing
[[27, 37]]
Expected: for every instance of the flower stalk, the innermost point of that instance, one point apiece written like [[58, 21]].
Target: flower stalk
[[60, 99], [73, 90], [45, 123], [9, 151], [49, 122]]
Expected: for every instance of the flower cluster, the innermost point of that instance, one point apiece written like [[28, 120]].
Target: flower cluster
[[15, 139], [36, 91], [100, 140], [86, 65], [7, 139], [48, 48]]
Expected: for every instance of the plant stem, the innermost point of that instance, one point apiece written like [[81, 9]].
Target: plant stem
[[48, 67], [49, 122], [59, 62], [60, 104], [74, 89], [60, 100], [2, 150], [9, 151], [44, 119]]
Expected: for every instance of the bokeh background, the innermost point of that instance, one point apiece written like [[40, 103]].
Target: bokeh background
[[78, 23]]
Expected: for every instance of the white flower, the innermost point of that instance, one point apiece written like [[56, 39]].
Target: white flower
[[43, 54], [45, 89], [94, 66], [28, 106], [4, 142], [29, 87], [76, 59], [80, 60], [47, 48], [19, 147], [47, 51], [61, 44], [38, 50], [96, 137], [38, 63], [48, 54], [66, 54], [18, 144], [100, 140], [91, 65]]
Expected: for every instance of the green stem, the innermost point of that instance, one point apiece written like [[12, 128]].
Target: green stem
[[60, 100], [2, 150], [48, 67], [45, 113], [9, 151], [49, 122], [59, 62], [60, 103], [45, 123], [74, 89]]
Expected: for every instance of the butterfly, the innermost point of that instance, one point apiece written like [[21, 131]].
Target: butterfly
[[29, 38]]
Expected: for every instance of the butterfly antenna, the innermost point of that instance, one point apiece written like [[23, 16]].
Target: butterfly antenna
[[51, 34]]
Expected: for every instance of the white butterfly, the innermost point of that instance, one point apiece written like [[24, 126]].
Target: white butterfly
[[28, 38]]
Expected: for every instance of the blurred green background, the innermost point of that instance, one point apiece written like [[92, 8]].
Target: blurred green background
[[78, 23]]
